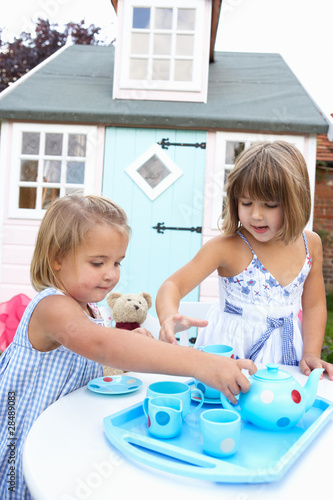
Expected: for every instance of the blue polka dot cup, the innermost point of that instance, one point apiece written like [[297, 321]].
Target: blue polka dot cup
[[164, 416], [177, 390], [220, 350], [220, 432]]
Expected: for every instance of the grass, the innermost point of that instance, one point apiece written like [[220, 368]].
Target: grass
[[327, 352]]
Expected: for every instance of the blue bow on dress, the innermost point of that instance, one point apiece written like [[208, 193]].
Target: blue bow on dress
[[288, 349]]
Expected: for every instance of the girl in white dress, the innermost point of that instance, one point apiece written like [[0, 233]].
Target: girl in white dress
[[61, 342], [268, 267]]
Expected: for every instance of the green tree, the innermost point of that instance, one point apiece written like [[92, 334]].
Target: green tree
[[28, 50]]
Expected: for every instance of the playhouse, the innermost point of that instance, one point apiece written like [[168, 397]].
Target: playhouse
[[154, 122]]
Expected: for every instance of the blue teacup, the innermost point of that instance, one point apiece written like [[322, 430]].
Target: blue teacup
[[220, 431], [164, 415], [177, 390], [220, 350]]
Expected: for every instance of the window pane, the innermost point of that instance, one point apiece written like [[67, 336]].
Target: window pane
[[77, 144], [184, 45], [51, 171], [226, 175], [233, 149], [140, 43], [162, 44], [29, 170], [27, 197], [53, 144], [224, 203], [30, 143], [75, 172], [186, 19], [49, 194], [161, 69], [153, 171], [141, 18], [138, 69], [51, 160], [70, 191], [163, 19], [183, 71]]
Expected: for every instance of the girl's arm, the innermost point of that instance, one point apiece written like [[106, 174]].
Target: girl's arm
[[314, 312], [177, 286], [132, 351]]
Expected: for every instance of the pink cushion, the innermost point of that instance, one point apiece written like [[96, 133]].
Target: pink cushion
[[300, 315], [11, 313]]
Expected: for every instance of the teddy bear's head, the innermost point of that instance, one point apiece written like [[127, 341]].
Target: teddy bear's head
[[129, 307]]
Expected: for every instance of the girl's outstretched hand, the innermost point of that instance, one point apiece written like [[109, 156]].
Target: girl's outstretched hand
[[178, 323], [309, 362], [224, 374]]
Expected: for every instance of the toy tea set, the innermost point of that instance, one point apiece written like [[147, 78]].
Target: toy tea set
[[183, 428]]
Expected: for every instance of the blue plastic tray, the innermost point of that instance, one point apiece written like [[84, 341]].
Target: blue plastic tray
[[263, 456]]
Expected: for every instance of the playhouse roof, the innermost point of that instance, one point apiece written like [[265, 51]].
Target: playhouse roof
[[246, 91]]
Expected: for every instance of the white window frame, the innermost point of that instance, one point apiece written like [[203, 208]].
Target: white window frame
[[14, 182], [220, 166], [196, 90], [175, 172]]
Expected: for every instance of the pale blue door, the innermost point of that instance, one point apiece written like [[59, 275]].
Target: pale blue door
[[152, 256]]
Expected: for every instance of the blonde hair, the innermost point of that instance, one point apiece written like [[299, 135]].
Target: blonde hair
[[63, 229], [270, 171]]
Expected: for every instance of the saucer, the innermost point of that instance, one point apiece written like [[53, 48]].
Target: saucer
[[112, 385], [209, 401]]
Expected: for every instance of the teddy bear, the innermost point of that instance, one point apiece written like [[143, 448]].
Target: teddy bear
[[129, 310]]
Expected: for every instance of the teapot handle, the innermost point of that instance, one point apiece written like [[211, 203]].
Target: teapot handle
[[229, 406]]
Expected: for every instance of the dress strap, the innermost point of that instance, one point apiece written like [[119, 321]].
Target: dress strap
[[306, 243], [248, 244]]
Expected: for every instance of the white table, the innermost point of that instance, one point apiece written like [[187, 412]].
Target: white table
[[67, 457]]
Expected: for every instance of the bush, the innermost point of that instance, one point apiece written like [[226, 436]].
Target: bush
[[327, 351]]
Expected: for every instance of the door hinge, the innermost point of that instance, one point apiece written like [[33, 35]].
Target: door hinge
[[160, 228], [165, 144]]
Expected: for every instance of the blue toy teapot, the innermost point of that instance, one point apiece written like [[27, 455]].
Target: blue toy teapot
[[275, 401]]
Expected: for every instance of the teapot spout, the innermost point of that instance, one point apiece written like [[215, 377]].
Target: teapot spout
[[311, 387]]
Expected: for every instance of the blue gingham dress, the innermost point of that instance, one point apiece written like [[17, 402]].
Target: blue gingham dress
[[30, 381], [257, 316]]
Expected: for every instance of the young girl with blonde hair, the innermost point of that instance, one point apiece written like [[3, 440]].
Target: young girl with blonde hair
[[269, 268], [61, 343]]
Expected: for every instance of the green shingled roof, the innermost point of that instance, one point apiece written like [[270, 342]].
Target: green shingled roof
[[246, 91]]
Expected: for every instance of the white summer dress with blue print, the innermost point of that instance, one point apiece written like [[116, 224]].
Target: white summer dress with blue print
[[30, 381], [258, 316]]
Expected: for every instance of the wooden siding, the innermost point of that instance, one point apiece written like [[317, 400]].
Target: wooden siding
[[17, 248]]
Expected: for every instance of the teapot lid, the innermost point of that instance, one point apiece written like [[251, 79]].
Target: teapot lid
[[272, 372]]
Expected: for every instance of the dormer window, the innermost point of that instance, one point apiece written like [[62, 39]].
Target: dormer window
[[162, 50]]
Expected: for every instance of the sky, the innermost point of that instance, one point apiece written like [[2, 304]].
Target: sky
[[299, 30]]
